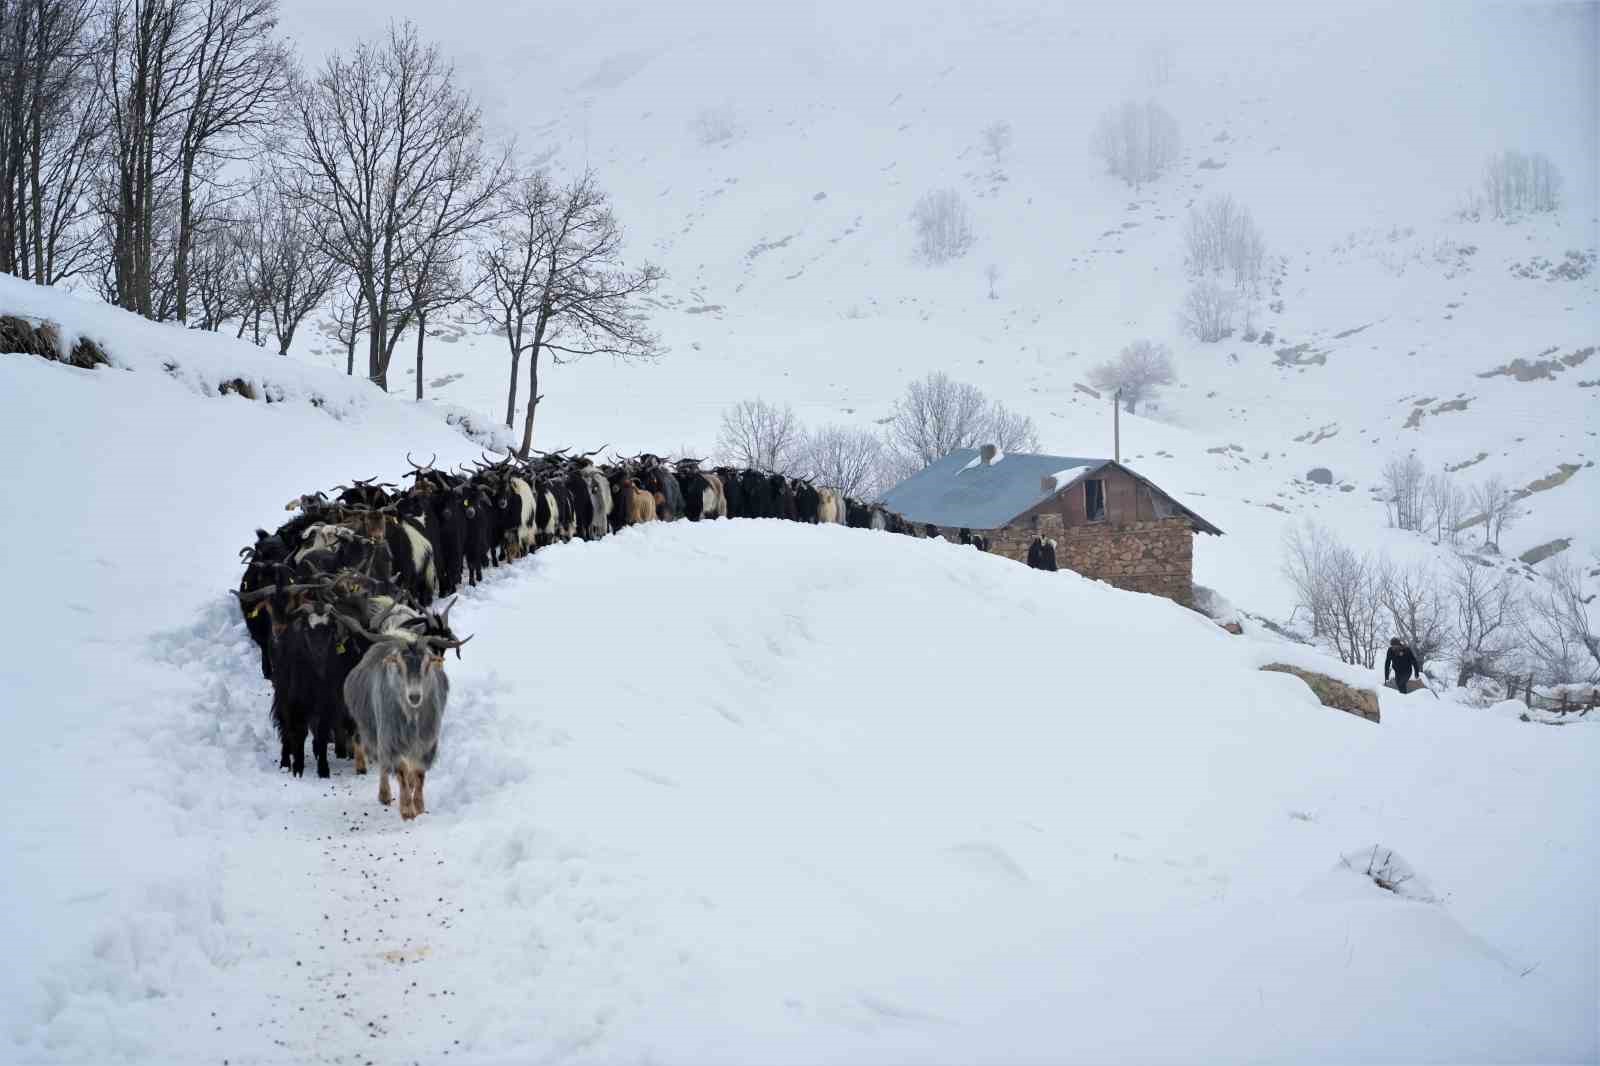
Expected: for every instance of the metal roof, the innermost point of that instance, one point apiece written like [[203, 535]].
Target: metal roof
[[960, 491]]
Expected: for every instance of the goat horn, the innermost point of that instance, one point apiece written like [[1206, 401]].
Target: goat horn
[[445, 643], [261, 594], [356, 627]]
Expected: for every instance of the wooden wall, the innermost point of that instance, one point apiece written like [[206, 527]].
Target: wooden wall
[[1127, 501]]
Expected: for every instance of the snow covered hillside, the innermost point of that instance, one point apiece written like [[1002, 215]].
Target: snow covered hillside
[[1352, 133], [728, 792]]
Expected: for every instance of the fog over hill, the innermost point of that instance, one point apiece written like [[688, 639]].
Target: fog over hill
[[770, 160]]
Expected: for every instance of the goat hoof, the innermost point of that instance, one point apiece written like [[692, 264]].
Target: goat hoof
[[361, 771], [323, 770]]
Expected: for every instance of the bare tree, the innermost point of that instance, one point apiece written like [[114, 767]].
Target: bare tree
[[761, 436], [1403, 483], [303, 271], [714, 125], [554, 281], [1485, 616], [138, 86], [391, 151], [1497, 509], [1305, 564], [938, 415], [991, 274], [1339, 589], [1560, 631], [232, 73], [997, 140], [943, 227], [1155, 61], [186, 86], [845, 458], [1208, 311], [1141, 369], [1136, 142], [218, 275], [1414, 599], [1221, 237], [1444, 505], [1354, 606], [49, 137], [349, 314], [1008, 430], [1515, 183], [435, 282]]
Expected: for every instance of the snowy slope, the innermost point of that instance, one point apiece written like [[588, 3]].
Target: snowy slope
[[734, 792], [1351, 133]]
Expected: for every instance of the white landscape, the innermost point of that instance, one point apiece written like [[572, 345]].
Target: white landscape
[[757, 791]]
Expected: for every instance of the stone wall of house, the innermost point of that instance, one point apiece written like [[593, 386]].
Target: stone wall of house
[[1155, 557]]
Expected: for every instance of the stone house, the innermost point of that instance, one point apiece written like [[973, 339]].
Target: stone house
[[1108, 522]]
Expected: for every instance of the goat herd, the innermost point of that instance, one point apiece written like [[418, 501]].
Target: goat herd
[[338, 597]]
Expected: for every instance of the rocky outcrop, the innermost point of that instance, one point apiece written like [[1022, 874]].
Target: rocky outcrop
[[18, 336], [1333, 693]]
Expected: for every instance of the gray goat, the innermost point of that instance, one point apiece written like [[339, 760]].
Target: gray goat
[[397, 695]]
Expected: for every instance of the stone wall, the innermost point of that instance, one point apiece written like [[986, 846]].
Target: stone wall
[[1155, 557]]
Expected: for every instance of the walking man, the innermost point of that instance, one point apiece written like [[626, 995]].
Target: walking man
[[1402, 662]]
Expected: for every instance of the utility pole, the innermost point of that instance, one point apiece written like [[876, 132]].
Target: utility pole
[[1116, 426]]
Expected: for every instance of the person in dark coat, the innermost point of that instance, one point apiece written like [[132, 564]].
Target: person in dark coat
[[1401, 662], [1042, 553]]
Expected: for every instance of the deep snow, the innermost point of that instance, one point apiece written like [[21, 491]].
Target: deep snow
[[731, 792], [747, 792]]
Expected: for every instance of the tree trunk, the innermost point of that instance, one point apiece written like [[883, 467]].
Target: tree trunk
[[511, 393], [533, 377], [422, 334], [376, 371], [533, 402], [350, 353], [180, 261]]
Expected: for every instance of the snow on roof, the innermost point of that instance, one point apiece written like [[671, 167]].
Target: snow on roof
[[960, 490]]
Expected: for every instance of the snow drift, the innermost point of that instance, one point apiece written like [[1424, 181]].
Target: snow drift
[[736, 791]]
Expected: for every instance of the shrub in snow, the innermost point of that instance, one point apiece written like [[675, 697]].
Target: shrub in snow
[[997, 139], [1515, 184], [1136, 141], [1208, 311], [944, 228], [1388, 871], [1320, 475], [714, 125], [1222, 238]]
